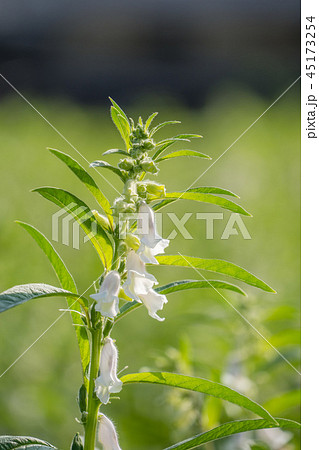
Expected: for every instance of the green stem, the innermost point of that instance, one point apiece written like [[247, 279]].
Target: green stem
[[93, 401]]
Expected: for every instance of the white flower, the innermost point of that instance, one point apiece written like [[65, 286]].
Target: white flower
[[135, 263], [154, 302], [107, 298], [108, 383], [139, 284], [107, 434], [151, 242]]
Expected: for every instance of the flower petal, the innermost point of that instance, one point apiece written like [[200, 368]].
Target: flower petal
[[107, 434], [154, 302]]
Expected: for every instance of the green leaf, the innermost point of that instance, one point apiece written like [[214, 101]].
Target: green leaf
[[122, 124], [68, 284], [86, 179], [181, 286], [198, 385], [23, 443], [25, 292], [214, 265], [84, 216], [106, 165], [199, 189], [58, 265], [195, 284], [150, 120], [161, 125], [113, 151], [183, 153], [120, 111], [208, 198], [211, 190], [231, 428]]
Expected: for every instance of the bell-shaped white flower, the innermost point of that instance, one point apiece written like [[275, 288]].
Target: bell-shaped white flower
[[107, 298], [108, 383], [154, 302], [135, 263], [151, 242], [107, 435], [139, 284]]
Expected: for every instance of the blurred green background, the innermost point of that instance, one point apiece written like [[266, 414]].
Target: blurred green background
[[201, 335]]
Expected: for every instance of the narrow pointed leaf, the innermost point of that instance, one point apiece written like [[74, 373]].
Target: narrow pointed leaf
[[64, 276], [208, 198], [25, 292], [199, 189], [106, 165], [197, 284], [122, 125], [163, 146], [231, 428], [120, 111], [182, 286], [67, 283], [150, 120], [183, 153], [83, 215], [82, 174], [212, 190], [198, 385], [215, 265], [23, 443], [113, 151], [161, 125]]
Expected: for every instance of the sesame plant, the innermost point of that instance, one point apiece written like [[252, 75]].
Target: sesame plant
[[126, 240]]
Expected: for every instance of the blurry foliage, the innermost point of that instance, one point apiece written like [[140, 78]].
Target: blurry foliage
[[202, 335]]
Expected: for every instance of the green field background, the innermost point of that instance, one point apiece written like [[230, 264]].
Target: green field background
[[202, 334]]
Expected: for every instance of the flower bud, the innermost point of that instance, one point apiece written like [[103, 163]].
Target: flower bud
[[82, 400], [132, 241], [77, 443], [102, 220], [149, 166], [126, 164], [158, 190]]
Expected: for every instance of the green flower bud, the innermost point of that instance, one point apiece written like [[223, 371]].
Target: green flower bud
[[149, 166], [155, 189], [102, 220], [126, 164], [141, 190], [82, 398], [77, 443], [121, 206], [132, 241], [122, 248]]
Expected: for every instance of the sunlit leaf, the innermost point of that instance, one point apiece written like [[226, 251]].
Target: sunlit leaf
[[208, 198], [198, 385], [183, 153], [214, 265], [108, 166], [161, 125], [86, 179], [121, 122], [231, 428], [211, 190], [83, 215], [67, 283], [150, 120], [113, 151]]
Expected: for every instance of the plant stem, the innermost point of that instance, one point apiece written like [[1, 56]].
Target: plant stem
[[93, 401]]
